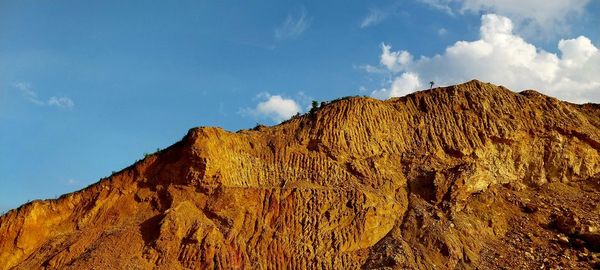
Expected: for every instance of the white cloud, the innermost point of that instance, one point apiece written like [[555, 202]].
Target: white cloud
[[72, 182], [442, 31], [274, 107], [394, 61], [27, 91], [443, 5], [63, 102], [531, 16], [292, 26], [374, 17], [502, 57], [404, 84], [371, 68], [303, 100]]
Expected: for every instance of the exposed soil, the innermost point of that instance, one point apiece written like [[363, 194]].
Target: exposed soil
[[471, 176]]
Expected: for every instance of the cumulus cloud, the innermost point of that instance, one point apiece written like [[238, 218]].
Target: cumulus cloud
[[394, 61], [533, 16], [404, 84], [30, 95], [274, 107], [501, 57], [292, 26]]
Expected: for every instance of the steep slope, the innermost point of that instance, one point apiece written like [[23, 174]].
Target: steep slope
[[466, 176]]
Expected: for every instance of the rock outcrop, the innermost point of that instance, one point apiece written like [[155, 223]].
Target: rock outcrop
[[461, 177]]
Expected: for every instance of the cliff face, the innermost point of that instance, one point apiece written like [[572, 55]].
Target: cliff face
[[467, 176]]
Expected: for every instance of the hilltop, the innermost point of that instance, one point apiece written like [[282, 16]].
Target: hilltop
[[465, 176]]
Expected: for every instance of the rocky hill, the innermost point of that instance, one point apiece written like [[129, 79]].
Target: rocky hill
[[461, 177]]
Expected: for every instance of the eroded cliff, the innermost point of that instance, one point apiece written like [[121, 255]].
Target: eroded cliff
[[466, 176]]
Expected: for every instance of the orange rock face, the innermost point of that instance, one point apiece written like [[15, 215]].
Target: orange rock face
[[466, 176]]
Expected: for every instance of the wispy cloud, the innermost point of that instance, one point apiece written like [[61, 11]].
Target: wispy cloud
[[72, 182], [442, 5], [371, 69], [442, 31], [293, 26], [377, 15], [62, 102], [532, 18], [30, 95], [374, 17]]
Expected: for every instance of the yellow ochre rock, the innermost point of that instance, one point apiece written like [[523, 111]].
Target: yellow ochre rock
[[461, 177]]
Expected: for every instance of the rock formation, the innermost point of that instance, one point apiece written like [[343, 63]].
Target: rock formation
[[461, 177]]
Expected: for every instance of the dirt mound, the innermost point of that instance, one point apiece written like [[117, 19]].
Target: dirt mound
[[466, 176]]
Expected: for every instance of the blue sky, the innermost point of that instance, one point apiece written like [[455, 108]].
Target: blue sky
[[87, 87]]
